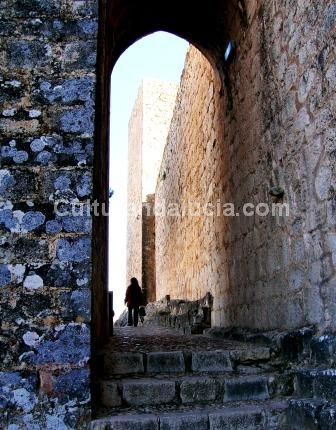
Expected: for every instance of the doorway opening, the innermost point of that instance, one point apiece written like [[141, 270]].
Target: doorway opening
[[123, 24], [152, 65]]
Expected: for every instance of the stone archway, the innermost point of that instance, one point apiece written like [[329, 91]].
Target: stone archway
[[208, 29]]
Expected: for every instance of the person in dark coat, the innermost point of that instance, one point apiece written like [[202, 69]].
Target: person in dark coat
[[133, 300]]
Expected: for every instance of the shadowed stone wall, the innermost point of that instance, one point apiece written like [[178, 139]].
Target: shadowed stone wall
[[148, 249], [274, 127], [47, 91]]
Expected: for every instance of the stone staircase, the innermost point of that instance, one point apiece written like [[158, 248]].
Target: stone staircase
[[252, 387]]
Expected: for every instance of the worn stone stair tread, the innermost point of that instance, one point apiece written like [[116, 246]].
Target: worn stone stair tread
[[185, 390], [316, 383], [178, 362], [249, 414], [191, 376], [305, 413]]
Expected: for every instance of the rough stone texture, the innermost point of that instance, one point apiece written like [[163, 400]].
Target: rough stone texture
[[304, 414], [110, 396], [184, 315], [148, 250], [214, 361], [274, 127], [168, 362], [246, 389], [126, 422], [310, 414], [148, 129], [148, 392], [316, 383], [270, 416], [47, 85], [232, 419], [187, 421], [122, 363], [200, 390]]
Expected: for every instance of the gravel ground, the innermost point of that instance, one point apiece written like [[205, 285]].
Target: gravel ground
[[152, 339]]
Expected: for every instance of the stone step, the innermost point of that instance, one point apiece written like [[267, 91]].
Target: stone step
[[316, 383], [187, 390], [268, 416], [179, 362], [310, 414]]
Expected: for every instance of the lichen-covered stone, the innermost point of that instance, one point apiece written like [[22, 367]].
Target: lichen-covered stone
[[5, 275], [74, 250], [80, 55], [17, 390], [47, 98], [29, 54], [70, 345], [74, 384], [71, 91]]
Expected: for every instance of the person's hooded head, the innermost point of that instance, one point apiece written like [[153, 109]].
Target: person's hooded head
[[134, 282]]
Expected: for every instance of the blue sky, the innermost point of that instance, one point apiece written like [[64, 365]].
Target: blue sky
[[160, 56]]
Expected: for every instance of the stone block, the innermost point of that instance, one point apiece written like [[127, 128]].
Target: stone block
[[24, 8], [69, 345], [246, 389], [24, 249], [80, 55], [29, 54], [198, 390], [275, 415], [148, 392], [5, 275], [165, 362], [110, 396], [15, 382], [123, 363], [206, 361], [13, 182], [126, 422], [11, 90], [303, 414], [244, 418], [85, 8], [304, 383], [66, 92], [67, 186], [75, 250], [325, 384], [250, 354], [74, 384], [184, 421], [324, 349], [327, 419], [77, 121], [63, 29]]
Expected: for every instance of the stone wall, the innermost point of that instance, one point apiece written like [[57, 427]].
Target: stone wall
[[134, 191], [47, 91], [274, 127], [148, 129], [148, 249], [190, 257]]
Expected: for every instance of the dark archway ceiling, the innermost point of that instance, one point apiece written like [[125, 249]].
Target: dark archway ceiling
[[204, 24]]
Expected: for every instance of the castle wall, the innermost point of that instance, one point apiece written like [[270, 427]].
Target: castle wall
[[272, 126], [48, 53], [148, 129]]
